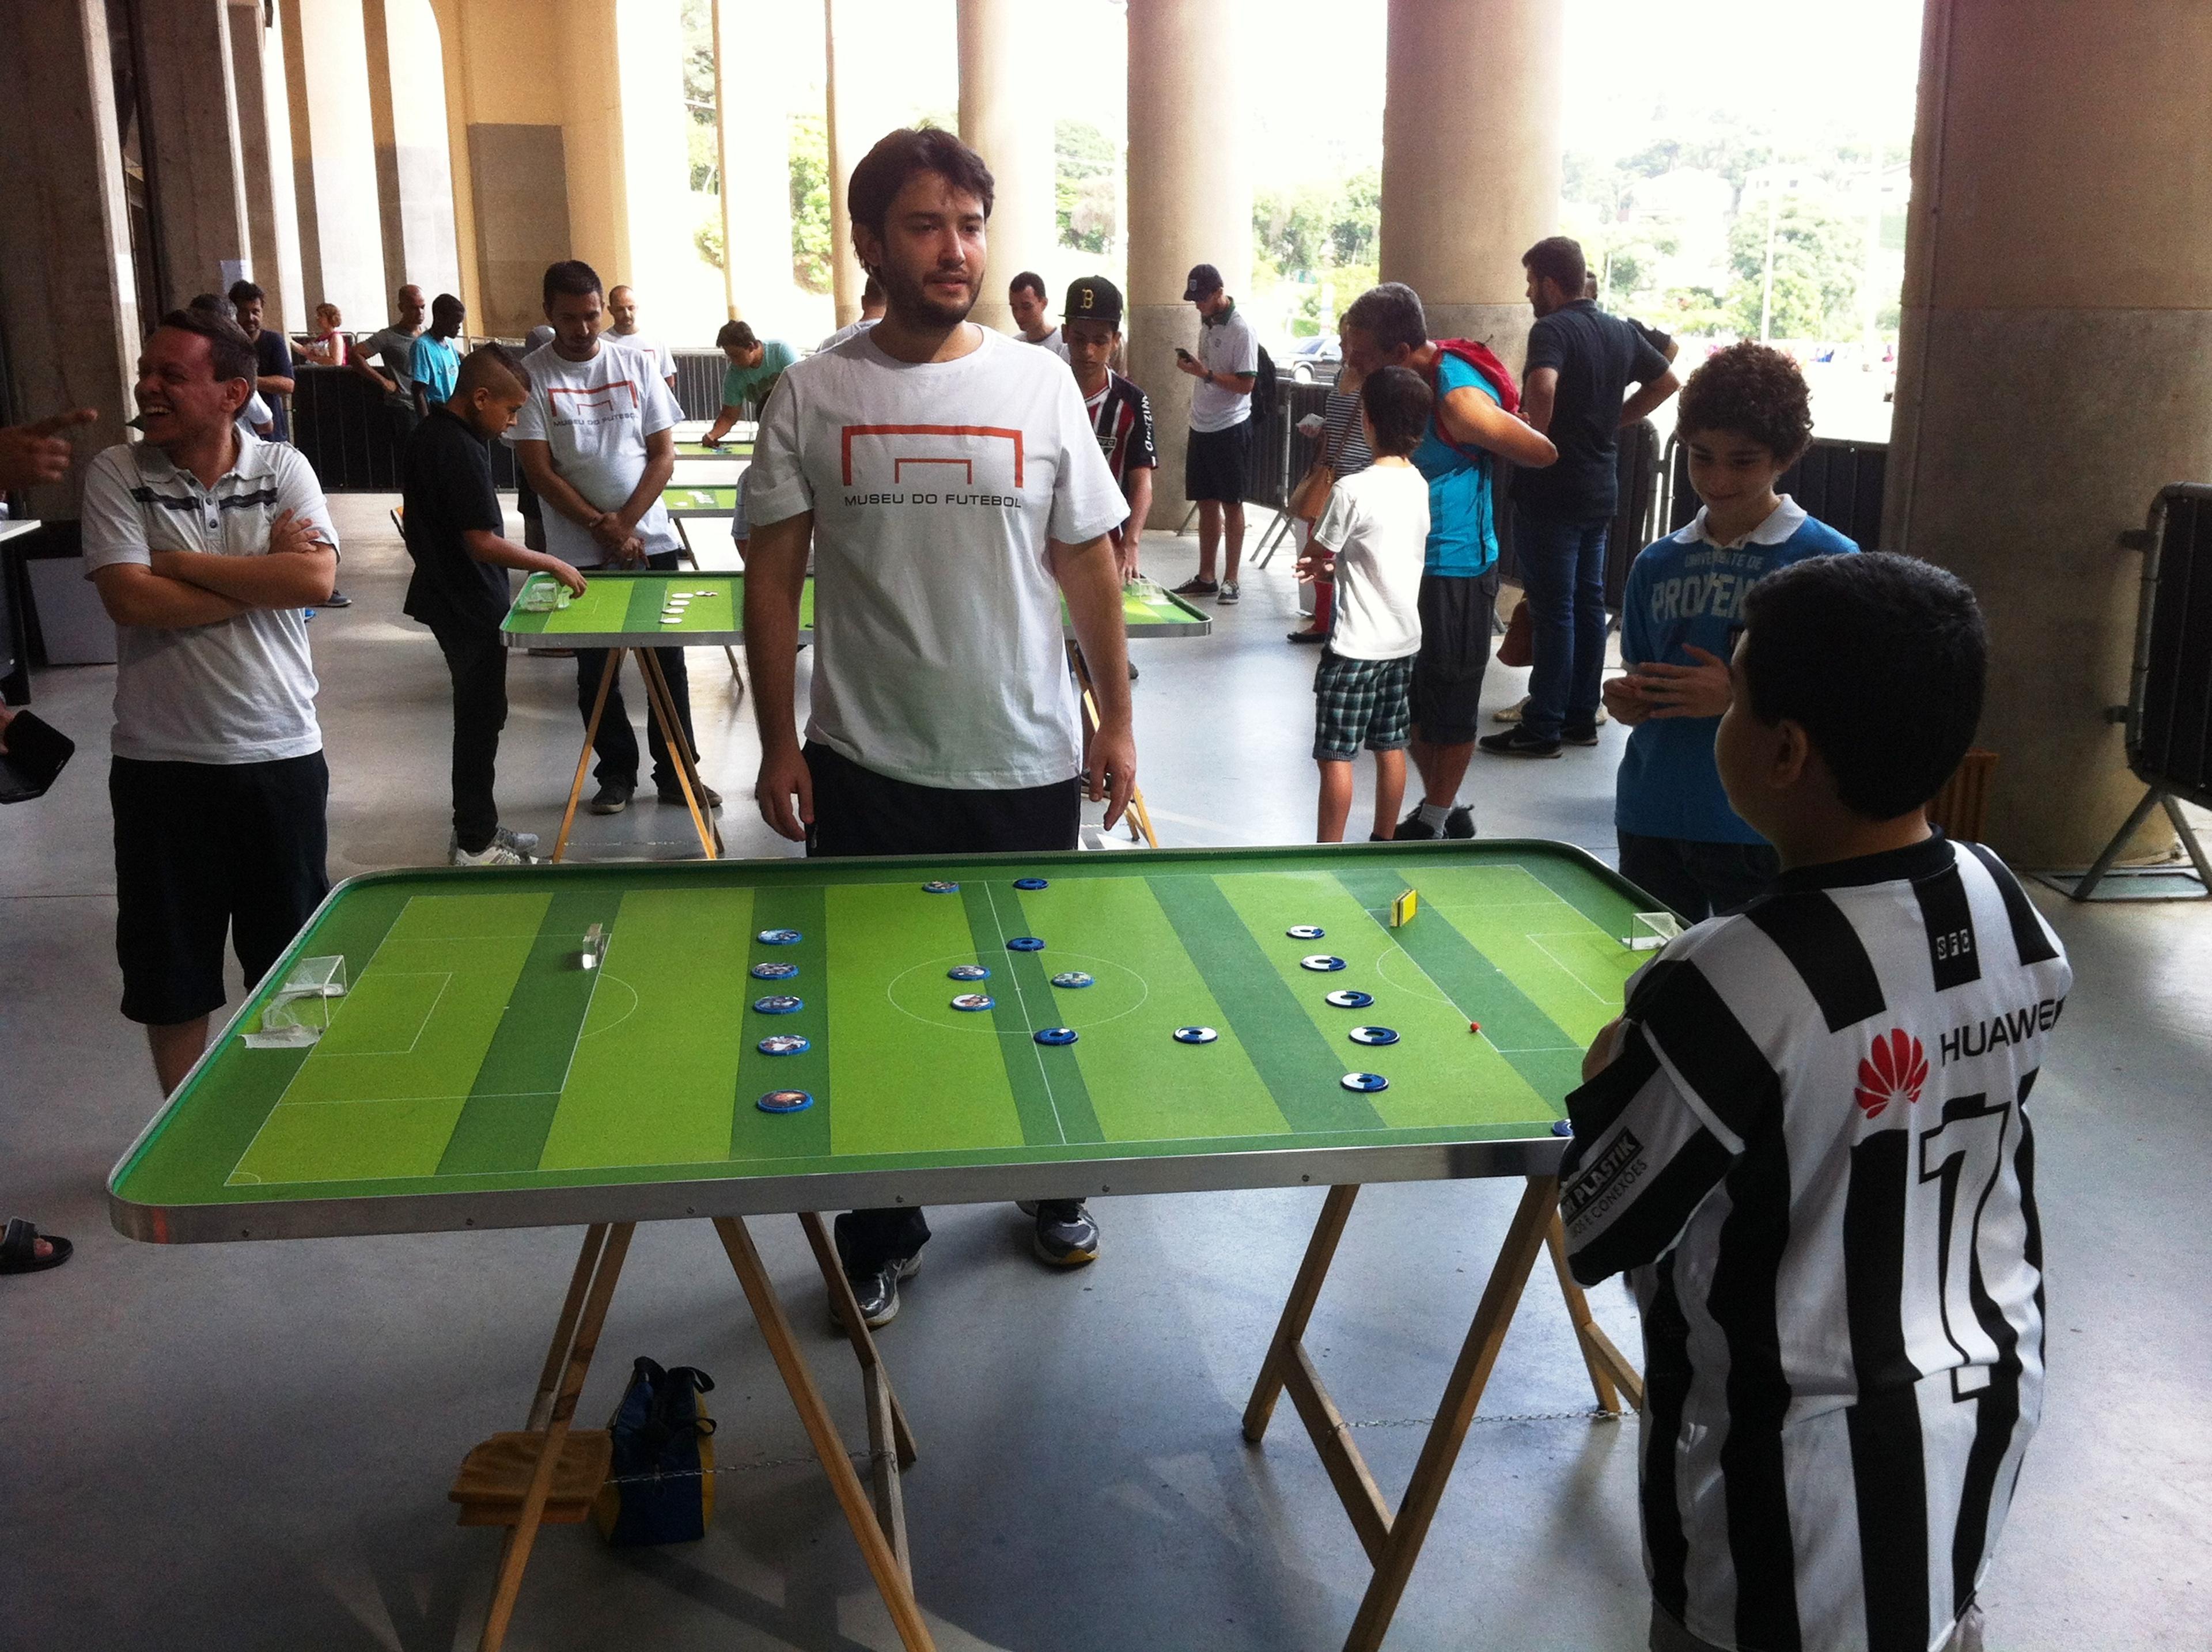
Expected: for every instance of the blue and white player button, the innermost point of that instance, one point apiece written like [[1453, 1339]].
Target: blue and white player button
[[1351, 997], [1031, 883], [1321, 961], [1025, 943], [968, 972], [779, 1003], [1056, 1035], [785, 1100], [1366, 1083], [774, 971], [783, 1044], [938, 886], [1374, 1034], [1195, 1035], [780, 938], [1071, 978], [973, 1001], [1305, 931]]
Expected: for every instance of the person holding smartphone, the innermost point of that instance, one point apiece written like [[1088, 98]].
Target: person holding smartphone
[[1218, 463]]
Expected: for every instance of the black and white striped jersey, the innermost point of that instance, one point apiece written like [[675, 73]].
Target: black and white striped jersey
[[1812, 1149]]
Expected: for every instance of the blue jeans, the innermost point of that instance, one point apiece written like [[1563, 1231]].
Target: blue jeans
[[1563, 570]]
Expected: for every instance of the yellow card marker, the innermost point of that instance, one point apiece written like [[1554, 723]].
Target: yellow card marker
[[1403, 909]]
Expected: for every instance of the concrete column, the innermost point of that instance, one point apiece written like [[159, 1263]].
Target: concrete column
[[2052, 374], [65, 260], [285, 205], [1471, 160], [407, 119], [198, 174], [1190, 201], [1006, 116], [755, 130], [334, 157], [253, 152], [846, 148]]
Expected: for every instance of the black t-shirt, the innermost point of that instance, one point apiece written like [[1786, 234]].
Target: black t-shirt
[[448, 492], [272, 359], [1597, 357]]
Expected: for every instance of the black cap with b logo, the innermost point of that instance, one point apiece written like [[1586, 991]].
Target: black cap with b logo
[[1093, 298]]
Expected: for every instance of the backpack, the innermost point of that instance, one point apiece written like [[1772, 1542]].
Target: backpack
[[661, 1486], [1483, 359], [1263, 385]]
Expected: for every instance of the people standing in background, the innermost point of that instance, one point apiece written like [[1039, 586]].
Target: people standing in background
[[327, 347], [622, 327], [1025, 298], [272, 357], [871, 311], [395, 348], [1658, 338], [1343, 448], [1121, 413], [1580, 364], [1218, 463], [755, 363], [437, 364]]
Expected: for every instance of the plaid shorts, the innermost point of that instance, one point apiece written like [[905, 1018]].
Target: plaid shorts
[[1361, 701]]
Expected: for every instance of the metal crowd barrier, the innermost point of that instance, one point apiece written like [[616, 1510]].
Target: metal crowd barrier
[[1840, 482]]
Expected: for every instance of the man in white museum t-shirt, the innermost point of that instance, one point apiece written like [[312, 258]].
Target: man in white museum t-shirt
[[952, 490], [597, 439]]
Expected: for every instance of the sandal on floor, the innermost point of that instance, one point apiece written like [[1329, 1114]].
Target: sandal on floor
[[19, 1249]]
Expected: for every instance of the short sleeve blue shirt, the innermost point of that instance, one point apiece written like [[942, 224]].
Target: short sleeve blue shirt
[[1462, 526], [436, 367], [1687, 593]]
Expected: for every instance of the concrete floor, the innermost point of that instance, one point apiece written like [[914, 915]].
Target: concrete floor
[[249, 1446]]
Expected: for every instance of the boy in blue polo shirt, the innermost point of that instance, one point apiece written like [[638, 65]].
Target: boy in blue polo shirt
[[1745, 418]]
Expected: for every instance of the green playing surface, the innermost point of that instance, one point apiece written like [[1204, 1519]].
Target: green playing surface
[[474, 1054], [727, 449], [630, 606], [681, 502]]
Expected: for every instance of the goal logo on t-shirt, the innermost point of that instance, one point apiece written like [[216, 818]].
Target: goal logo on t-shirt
[[883, 457], [593, 403]]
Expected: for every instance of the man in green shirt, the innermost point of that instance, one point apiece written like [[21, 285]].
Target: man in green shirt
[[756, 364]]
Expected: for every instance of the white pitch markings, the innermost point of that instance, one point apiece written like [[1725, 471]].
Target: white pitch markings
[[1030, 1026]]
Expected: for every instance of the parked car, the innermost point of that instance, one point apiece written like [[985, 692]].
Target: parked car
[[1312, 360]]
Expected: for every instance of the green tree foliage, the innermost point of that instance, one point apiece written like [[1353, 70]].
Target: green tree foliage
[[708, 238], [1818, 256], [699, 95], [1355, 228], [809, 203], [1085, 164]]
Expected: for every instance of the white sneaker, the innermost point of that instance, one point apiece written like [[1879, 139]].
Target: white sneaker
[[520, 843], [1228, 592], [494, 854]]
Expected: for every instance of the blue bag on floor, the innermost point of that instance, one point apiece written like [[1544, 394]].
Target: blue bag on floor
[[660, 1482]]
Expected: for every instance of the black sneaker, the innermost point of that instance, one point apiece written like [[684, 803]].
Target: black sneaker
[[336, 600], [1413, 829], [1518, 743], [1459, 823], [1308, 636], [612, 800], [1579, 733], [673, 793], [1132, 671], [876, 1291], [1067, 1236], [1197, 588]]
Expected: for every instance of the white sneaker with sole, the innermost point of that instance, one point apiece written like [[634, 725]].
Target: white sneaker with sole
[[1228, 592], [494, 854]]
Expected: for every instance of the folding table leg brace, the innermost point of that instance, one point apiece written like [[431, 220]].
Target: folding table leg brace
[[1393, 1542], [661, 706], [880, 1530]]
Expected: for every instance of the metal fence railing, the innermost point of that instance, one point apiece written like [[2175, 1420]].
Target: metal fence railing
[[1840, 482]]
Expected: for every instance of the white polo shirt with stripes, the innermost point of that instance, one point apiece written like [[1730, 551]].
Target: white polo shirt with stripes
[[1812, 1153]]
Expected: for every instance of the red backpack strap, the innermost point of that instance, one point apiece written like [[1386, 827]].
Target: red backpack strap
[[1483, 359]]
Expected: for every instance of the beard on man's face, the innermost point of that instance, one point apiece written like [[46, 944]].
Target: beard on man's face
[[916, 302]]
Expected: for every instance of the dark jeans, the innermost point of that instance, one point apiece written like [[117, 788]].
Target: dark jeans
[[401, 421], [1563, 570], [859, 812], [477, 663], [616, 744], [1698, 880]]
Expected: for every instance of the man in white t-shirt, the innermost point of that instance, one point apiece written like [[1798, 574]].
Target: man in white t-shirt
[[1372, 538], [1217, 467], [1033, 313], [621, 329], [871, 311], [597, 438], [206, 545], [953, 493]]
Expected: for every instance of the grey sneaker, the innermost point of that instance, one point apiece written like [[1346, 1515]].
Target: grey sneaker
[[1228, 592], [877, 1292], [494, 854], [520, 843], [612, 800]]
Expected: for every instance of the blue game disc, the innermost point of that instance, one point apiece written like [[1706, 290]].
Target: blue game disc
[[968, 972], [1305, 931], [1322, 961], [1025, 943], [1350, 998], [785, 1100], [1374, 1034], [940, 888], [780, 938], [1562, 1127], [1070, 978], [1195, 1035], [774, 971], [783, 1044], [1031, 883], [779, 1003], [973, 1001], [1056, 1035], [1365, 1082]]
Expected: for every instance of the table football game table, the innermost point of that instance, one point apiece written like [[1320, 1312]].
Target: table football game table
[[600, 1046]]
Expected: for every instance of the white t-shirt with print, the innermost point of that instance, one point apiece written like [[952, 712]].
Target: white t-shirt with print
[[936, 487], [1377, 521], [240, 690], [1055, 341], [1224, 345], [663, 358], [595, 415]]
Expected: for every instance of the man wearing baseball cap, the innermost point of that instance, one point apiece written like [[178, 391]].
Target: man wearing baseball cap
[[1121, 413], [1218, 460]]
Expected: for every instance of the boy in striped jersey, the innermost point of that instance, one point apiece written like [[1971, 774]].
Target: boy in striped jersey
[[1807, 1140]]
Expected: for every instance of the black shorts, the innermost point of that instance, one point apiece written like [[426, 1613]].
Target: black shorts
[[1455, 613], [1217, 463], [202, 848], [859, 812]]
